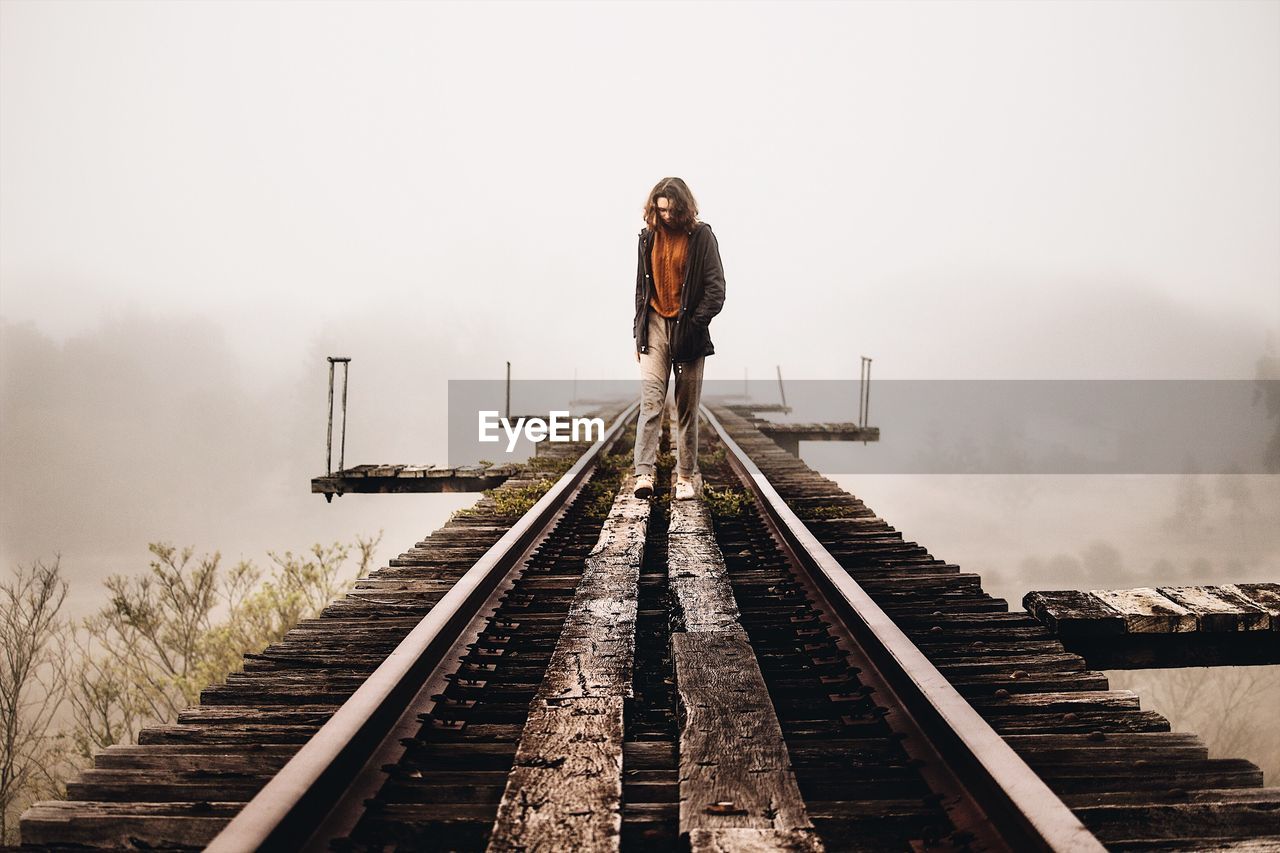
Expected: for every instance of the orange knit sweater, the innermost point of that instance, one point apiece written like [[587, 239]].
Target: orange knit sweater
[[670, 257]]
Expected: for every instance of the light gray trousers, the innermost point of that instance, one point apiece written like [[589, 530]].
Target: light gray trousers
[[655, 370]]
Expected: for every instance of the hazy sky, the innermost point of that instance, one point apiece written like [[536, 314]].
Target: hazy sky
[[883, 177], [199, 201]]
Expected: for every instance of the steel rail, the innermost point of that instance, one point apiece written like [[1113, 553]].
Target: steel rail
[[1019, 807], [287, 811]]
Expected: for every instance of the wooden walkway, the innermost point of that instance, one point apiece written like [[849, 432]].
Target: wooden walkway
[[1163, 627], [565, 787], [387, 479], [737, 787]]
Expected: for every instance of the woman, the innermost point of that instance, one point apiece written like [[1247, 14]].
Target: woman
[[679, 288]]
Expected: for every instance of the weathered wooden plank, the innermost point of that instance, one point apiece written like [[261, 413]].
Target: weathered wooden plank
[[900, 583], [127, 825], [965, 666], [246, 735], [754, 840], [737, 787], [256, 714], [1080, 721], [1265, 595], [1218, 608], [689, 517], [177, 757], [565, 787], [1265, 797], [696, 571], [589, 668], [403, 584], [1079, 700], [1069, 612], [983, 684], [1146, 611], [1260, 844], [734, 768], [167, 786], [1162, 627], [433, 480], [1151, 821], [622, 535], [1151, 775]]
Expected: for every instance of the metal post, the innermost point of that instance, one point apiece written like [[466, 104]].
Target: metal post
[[866, 409], [342, 447], [781, 391], [328, 440], [507, 414], [862, 384], [864, 393]]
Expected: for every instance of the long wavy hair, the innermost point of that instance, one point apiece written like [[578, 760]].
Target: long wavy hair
[[677, 194]]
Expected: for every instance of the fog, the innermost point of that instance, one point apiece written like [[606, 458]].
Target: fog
[[200, 201]]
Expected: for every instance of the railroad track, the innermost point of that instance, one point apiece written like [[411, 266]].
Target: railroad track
[[772, 668]]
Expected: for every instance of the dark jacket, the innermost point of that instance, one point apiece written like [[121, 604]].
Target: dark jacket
[[701, 295]]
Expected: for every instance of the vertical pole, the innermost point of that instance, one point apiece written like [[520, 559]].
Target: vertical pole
[[342, 448], [862, 392], [328, 441], [866, 409], [781, 391], [507, 414]]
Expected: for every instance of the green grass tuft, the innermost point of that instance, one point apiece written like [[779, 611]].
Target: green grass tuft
[[725, 503], [816, 513]]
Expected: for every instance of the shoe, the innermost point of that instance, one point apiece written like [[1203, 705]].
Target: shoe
[[644, 485], [684, 489]]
